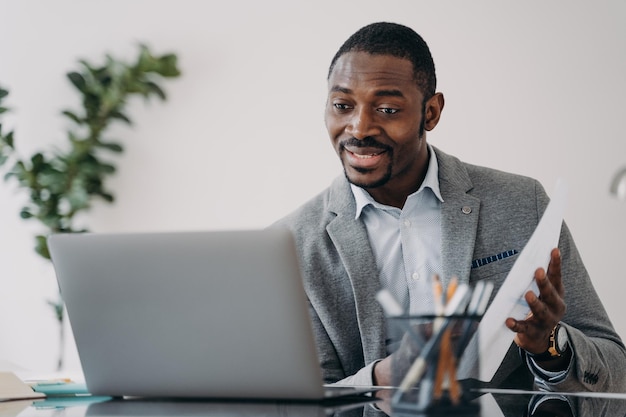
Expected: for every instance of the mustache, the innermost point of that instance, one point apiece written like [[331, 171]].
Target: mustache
[[367, 142]]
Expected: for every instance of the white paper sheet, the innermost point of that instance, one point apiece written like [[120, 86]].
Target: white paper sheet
[[493, 338]]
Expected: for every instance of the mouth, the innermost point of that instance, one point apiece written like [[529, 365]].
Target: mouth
[[364, 155], [364, 158]]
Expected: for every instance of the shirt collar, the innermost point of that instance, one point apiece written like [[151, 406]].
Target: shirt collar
[[431, 181]]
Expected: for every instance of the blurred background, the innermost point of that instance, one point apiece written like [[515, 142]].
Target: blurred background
[[536, 88]]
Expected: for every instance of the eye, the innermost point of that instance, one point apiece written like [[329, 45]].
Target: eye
[[341, 106], [388, 110]]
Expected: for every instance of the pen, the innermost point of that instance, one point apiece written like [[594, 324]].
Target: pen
[[477, 307], [389, 304]]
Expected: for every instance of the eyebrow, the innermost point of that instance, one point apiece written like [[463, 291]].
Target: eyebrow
[[381, 93], [389, 93]]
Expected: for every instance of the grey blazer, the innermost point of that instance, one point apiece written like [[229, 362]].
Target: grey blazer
[[485, 212]]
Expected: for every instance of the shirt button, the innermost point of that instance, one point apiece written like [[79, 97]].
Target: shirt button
[[415, 276], [407, 223]]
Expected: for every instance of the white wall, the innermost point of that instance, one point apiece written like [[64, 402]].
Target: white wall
[[532, 87]]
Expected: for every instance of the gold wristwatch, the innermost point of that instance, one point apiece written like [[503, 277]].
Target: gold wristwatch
[[559, 342]]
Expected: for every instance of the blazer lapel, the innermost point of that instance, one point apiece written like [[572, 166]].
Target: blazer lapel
[[459, 218], [351, 241]]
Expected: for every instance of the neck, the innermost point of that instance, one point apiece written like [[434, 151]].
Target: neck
[[396, 191]]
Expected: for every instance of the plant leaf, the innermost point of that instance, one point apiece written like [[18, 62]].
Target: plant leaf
[[72, 116], [57, 306], [154, 88], [120, 116], [107, 197], [114, 147], [106, 168], [41, 246], [37, 160], [78, 81], [168, 66], [8, 140]]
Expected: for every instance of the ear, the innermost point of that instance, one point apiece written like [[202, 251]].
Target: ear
[[432, 111]]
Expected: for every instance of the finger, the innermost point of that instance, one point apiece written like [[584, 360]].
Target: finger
[[515, 325], [554, 271], [543, 283], [526, 334], [520, 326], [530, 336], [540, 311], [548, 293]]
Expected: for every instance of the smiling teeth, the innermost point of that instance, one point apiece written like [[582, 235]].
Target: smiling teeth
[[366, 156]]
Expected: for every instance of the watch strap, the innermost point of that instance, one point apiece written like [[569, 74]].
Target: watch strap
[[553, 351]]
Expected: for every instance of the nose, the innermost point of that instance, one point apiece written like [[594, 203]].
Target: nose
[[362, 124]]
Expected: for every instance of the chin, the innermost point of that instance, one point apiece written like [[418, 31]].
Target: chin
[[366, 181], [367, 178]]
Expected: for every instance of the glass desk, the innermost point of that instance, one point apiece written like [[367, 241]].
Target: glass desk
[[494, 403]]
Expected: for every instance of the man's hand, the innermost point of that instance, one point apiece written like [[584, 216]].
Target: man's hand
[[546, 310], [383, 373]]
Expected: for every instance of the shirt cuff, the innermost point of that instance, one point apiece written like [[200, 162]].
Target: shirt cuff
[[364, 377], [543, 377]]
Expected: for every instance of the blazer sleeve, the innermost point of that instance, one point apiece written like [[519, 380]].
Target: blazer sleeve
[[599, 359]]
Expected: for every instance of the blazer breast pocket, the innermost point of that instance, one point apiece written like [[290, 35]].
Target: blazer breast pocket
[[490, 267]]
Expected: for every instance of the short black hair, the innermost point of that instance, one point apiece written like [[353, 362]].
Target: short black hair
[[384, 38]]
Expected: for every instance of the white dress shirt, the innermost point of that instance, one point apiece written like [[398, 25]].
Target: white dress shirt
[[407, 242]]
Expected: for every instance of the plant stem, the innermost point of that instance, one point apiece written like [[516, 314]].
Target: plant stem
[[61, 344]]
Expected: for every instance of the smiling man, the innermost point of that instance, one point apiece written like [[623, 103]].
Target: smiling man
[[376, 116], [405, 211]]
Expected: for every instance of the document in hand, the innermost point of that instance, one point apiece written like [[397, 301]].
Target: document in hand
[[493, 338]]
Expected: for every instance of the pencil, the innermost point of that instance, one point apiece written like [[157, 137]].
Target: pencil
[[443, 364], [446, 361], [437, 295], [452, 286]]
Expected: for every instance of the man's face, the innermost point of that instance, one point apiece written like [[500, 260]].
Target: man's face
[[375, 116]]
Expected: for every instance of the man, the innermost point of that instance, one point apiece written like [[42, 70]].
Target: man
[[407, 211]]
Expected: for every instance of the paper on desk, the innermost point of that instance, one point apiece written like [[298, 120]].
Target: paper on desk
[[493, 338], [12, 388]]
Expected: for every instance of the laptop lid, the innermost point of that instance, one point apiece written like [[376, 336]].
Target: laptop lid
[[218, 314]]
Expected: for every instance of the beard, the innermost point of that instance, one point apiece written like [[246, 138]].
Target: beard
[[373, 183], [370, 142], [367, 142]]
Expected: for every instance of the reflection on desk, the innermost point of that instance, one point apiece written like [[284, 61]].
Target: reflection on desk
[[493, 404], [559, 404], [140, 407]]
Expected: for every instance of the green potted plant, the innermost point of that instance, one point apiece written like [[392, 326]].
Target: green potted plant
[[62, 183]]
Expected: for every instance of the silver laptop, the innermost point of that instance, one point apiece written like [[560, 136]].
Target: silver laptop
[[218, 314]]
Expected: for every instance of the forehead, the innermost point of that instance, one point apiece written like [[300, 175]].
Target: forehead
[[363, 70]]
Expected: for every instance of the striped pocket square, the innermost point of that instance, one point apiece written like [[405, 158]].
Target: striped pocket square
[[476, 263]]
